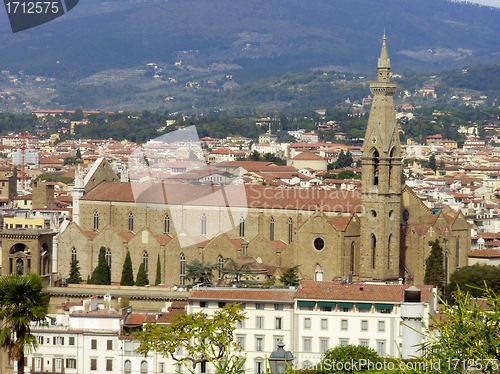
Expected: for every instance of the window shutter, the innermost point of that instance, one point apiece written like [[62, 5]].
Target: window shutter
[[62, 342], [54, 340], [32, 364]]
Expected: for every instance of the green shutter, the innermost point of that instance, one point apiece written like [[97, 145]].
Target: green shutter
[[384, 306], [326, 304], [306, 303], [345, 305], [363, 306]]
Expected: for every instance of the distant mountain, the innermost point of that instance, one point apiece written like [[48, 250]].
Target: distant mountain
[[264, 37]]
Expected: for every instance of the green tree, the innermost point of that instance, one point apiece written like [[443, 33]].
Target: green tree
[[199, 272], [344, 160], [348, 353], [473, 278], [468, 330], [78, 154], [348, 174], [22, 301], [158, 271], [203, 338], [238, 273], [74, 273], [127, 272], [291, 276], [434, 266], [142, 277], [431, 164], [102, 273]]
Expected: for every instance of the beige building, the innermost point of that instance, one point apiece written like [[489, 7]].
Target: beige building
[[385, 233]]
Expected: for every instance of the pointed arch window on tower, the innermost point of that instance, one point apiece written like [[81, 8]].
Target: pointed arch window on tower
[[389, 252], [73, 254], [145, 261], [182, 270], [166, 224], [203, 224], [352, 258], [108, 257], [457, 252], [271, 229], [96, 220], [375, 168], [220, 262], [290, 230], [242, 227], [374, 247], [130, 221]]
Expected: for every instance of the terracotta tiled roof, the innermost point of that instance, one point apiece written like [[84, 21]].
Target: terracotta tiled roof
[[308, 156], [362, 292], [278, 245], [138, 319], [126, 236], [242, 294], [340, 223], [485, 253], [163, 239], [256, 196]]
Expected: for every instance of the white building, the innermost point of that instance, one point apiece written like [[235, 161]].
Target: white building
[[314, 318]]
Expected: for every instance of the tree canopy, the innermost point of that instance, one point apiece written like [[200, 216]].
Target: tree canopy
[[22, 301], [102, 273], [127, 272], [74, 273], [434, 266], [203, 338], [473, 278], [142, 277]]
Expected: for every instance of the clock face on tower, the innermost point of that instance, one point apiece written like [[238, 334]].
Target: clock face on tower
[[406, 215]]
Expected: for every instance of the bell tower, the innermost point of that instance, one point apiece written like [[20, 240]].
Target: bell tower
[[381, 181]]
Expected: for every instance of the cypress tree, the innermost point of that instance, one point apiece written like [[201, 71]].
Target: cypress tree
[[158, 271], [127, 272], [434, 266], [102, 273], [74, 273], [142, 278]]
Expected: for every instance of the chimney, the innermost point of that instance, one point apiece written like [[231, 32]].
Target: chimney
[[412, 312]]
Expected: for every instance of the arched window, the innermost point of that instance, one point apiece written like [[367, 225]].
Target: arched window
[[166, 224], [145, 261], [182, 271], [374, 247], [318, 273], [290, 230], [271, 229], [144, 367], [457, 252], [73, 254], [96, 220], [130, 222], [128, 367], [203, 224], [389, 252], [242, 227], [352, 258], [221, 265], [108, 257], [375, 168]]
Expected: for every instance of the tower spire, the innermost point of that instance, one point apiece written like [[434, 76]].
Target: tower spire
[[384, 64]]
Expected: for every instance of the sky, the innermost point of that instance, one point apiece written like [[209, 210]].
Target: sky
[[487, 2]]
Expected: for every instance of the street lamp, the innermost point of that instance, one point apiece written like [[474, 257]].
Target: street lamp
[[280, 360]]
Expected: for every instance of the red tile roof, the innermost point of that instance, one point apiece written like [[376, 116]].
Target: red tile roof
[[362, 292], [256, 196]]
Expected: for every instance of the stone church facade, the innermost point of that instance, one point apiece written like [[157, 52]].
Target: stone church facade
[[383, 233]]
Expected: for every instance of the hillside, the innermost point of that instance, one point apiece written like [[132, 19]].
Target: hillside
[[264, 38]]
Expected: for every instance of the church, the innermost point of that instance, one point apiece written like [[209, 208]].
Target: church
[[383, 233]]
